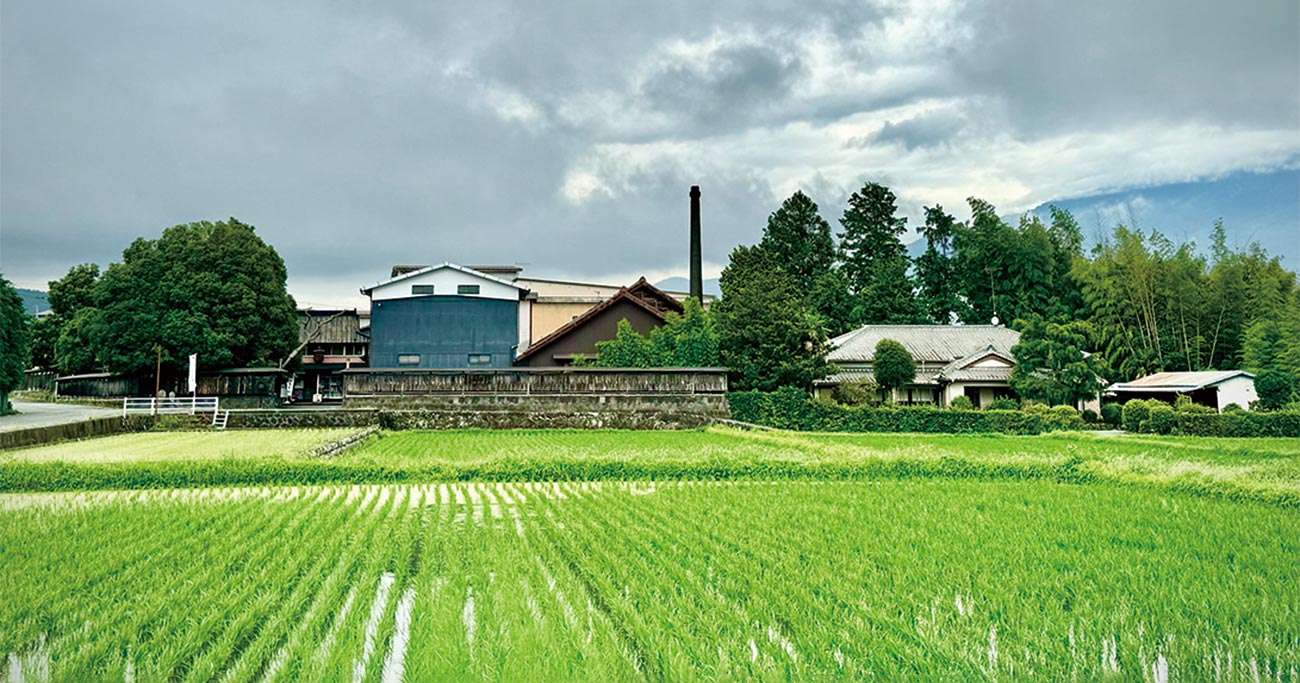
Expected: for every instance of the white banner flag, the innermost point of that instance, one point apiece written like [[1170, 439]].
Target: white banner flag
[[194, 373]]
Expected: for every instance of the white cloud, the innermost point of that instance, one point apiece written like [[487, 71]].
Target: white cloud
[[579, 186], [1015, 174]]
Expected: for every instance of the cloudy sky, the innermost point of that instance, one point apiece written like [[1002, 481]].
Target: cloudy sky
[[564, 136]]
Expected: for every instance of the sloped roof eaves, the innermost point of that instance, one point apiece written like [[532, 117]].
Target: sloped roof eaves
[[569, 327], [867, 375], [931, 343], [345, 329], [440, 266], [979, 375], [1178, 381], [667, 299]]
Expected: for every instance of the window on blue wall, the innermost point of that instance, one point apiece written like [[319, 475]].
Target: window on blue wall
[[421, 289], [408, 359], [480, 359], [467, 289]]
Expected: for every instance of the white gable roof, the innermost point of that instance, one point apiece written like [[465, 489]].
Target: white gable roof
[[445, 278]]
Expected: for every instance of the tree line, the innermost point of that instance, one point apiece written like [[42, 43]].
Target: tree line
[[1133, 304], [215, 289]]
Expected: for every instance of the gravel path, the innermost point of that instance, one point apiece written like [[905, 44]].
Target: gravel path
[[46, 414]]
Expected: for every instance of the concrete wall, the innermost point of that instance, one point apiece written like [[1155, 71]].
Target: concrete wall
[[443, 331], [1239, 390]]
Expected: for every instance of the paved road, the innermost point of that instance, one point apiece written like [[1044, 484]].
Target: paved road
[[45, 414]]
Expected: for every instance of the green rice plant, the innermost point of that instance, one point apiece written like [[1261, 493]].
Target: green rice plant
[[1259, 469], [708, 580]]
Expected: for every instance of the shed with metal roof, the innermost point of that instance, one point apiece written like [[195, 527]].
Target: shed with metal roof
[[1214, 388]]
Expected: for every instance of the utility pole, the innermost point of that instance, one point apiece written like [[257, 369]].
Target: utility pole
[[157, 378]]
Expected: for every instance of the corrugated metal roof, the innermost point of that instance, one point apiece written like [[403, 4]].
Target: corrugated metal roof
[[1179, 381], [330, 327], [933, 343]]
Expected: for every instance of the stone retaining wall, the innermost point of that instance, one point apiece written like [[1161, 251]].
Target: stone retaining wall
[[439, 418], [85, 429], [301, 419], [494, 419], [697, 404]]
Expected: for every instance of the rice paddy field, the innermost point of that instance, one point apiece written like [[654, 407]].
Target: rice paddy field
[[965, 559]]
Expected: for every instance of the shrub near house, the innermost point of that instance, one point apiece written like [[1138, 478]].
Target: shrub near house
[[1151, 416], [790, 408]]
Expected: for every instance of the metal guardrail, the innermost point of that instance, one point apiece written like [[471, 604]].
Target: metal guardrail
[[187, 405]]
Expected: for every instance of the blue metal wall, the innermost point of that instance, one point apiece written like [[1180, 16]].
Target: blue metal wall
[[444, 331]]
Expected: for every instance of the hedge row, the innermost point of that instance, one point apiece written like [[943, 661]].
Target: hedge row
[[1238, 424], [792, 409], [1157, 417]]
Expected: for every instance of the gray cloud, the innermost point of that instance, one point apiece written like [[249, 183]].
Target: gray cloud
[[734, 83], [1090, 65], [357, 136], [923, 130]]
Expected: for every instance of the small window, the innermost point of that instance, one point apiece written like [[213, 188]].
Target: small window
[[408, 359], [421, 289], [467, 289], [480, 359]]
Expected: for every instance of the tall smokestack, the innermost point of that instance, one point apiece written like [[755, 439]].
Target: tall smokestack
[[697, 281]]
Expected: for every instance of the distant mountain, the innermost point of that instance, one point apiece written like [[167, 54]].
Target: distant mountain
[[681, 284], [34, 301], [1255, 207]]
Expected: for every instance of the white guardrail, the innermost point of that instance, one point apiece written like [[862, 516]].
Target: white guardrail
[[188, 405]]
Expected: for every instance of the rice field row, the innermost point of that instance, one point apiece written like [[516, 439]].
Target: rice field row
[[163, 446], [893, 580]]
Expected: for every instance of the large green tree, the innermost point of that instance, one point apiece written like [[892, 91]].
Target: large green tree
[[68, 295], [936, 270], [1053, 364], [768, 337], [800, 240], [982, 264], [893, 367], [13, 342], [875, 261], [215, 289], [66, 329]]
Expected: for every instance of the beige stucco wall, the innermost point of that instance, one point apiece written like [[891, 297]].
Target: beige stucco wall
[[548, 317]]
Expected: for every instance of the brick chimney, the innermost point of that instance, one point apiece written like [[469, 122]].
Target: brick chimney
[[697, 281]]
